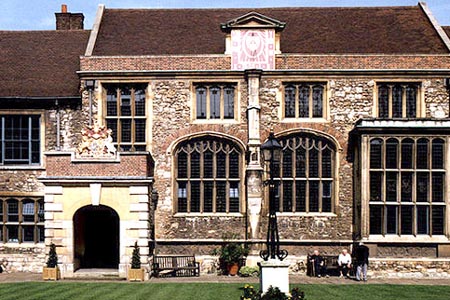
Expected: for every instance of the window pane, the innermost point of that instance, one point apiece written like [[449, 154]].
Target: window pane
[[287, 163], [234, 165], [207, 164], [221, 202], [125, 130], [289, 102], [139, 126], [12, 233], [317, 95], [437, 186], [407, 154], [287, 196], [139, 102], [1, 215], [182, 197], [125, 102], [383, 101], [303, 104], [391, 186], [208, 196], [376, 186], [411, 101], [422, 187], [28, 211], [407, 219], [195, 196], [437, 154], [41, 234], [438, 219], [111, 102], [112, 124], [422, 154], [313, 161], [392, 219], [28, 233], [221, 165], [13, 211], [406, 186], [300, 196], [195, 165], [313, 196], [234, 197], [326, 196], [300, 162], [397, 101], [391, 154], [182, 165], [201, 102], [229, 102], [375, 153], [41, 211], [376, 219], [214, 97], [326, 164], [423, 220]]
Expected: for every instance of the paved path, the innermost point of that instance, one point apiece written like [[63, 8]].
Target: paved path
[[23, 277]]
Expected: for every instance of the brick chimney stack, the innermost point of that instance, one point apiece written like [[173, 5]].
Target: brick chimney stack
[[69, 21]]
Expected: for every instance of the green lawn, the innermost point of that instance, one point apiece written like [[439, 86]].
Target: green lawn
[[208, 291]]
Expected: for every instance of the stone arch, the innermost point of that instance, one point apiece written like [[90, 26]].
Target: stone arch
[[312, 132]]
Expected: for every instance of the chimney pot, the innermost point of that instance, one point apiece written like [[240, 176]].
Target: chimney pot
[[64, 8]]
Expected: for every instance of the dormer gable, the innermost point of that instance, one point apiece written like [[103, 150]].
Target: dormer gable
[[252, 20]]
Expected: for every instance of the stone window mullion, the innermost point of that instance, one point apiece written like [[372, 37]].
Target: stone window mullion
[[307, 174], [320, 176]]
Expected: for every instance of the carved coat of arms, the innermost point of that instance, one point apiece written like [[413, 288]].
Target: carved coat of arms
[[96, 142]]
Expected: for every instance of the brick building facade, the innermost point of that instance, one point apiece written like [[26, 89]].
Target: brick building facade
[[360, 104]]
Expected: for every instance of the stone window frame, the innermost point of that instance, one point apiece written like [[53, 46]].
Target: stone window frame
[[365, 190], [420, 101], [205, 136], [21, 224], [42, 143], [311, 82], [131, 145], [215, 83], [335, 161]]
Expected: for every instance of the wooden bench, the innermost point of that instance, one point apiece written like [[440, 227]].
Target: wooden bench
[[331, 263], [175, 266]]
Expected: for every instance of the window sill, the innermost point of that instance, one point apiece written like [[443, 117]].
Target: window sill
[[304, 214], [407, 238], [216, 121], [191, 215], [23, 245], [21, 167], [304, 120]]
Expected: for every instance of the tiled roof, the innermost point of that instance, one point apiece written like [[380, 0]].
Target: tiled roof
[[41, 63], [447, 30], [387, 30]]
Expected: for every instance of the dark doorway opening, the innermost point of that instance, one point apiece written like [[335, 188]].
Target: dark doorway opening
[[96, 237]]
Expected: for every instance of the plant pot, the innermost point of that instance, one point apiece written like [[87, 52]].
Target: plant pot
[[50, 273], [233, 269], [136, 274]]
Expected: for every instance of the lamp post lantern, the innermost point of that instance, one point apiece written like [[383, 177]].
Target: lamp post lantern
[[271, 151]]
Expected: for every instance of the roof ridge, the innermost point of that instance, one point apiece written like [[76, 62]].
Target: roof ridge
[[270, 7]]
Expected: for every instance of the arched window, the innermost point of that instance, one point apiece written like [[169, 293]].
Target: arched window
[[208, 176], [407, 181], [306, 174]]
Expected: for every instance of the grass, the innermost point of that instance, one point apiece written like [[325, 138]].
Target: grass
[[208, 291]]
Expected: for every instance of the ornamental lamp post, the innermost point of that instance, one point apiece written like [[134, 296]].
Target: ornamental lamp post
[[271, 151]]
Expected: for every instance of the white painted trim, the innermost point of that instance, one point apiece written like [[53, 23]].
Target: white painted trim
[[95, 29]]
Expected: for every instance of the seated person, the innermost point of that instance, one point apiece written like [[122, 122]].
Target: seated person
[[344, 262], [318, 264]]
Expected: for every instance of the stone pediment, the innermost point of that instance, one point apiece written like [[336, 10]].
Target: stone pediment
[[253, 20]]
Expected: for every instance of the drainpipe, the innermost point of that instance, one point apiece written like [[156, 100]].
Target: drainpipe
[[58, 127]]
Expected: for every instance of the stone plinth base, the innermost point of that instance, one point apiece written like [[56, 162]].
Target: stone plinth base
[[274, 273]]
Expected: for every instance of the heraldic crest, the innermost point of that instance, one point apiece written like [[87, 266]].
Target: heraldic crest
[[96, 142]]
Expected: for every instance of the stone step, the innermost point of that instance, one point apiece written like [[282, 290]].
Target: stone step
[[96, 274]]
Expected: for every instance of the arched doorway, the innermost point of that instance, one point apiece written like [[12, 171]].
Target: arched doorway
[[96, 237]]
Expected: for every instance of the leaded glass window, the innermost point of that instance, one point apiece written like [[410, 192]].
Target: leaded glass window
[[126, 115], [21, 220], [208, 176], [215, 101], [304, 100], [407, 184], [398, 100], [305, 177], [20, 140]]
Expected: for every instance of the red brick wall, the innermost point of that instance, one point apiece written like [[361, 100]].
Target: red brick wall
[[129, 165]]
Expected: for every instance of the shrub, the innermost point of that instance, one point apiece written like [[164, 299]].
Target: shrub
[[272, 294], [52, 261], [247, 271], [136, 257]]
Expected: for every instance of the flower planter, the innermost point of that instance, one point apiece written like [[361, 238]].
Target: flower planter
[[50, 273], [136, 274]]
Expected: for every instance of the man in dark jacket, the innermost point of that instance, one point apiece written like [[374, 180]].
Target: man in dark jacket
[[318, 264], [362, 261]]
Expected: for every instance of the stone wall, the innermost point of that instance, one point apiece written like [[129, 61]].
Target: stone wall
[[22, 258]]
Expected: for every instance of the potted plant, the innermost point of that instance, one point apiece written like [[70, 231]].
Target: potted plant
[[230, 256], [136, 273], [51, 271]]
